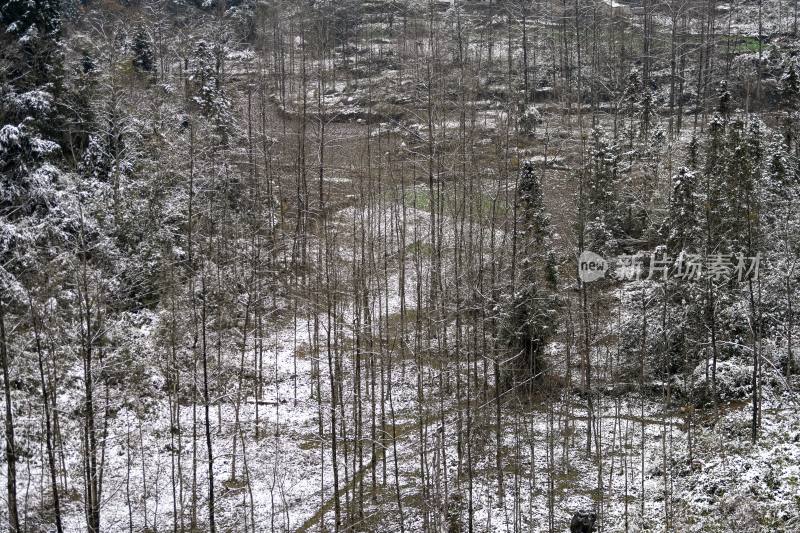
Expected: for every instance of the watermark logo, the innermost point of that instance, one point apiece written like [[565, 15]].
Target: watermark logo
[[658, 266], [591, 266]]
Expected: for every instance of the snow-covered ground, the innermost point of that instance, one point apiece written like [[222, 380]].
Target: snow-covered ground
[[639, 473]]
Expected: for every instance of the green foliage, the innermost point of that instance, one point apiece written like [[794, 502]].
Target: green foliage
[[745, 44], [208, 93], [528, 316], [790, 87], [30, 32], [527, 323], [683, 226], [602, 194], [600, 206], [29, 87], [742, 173], [740, 202], [529, 117], [724, 98], [143, 54]]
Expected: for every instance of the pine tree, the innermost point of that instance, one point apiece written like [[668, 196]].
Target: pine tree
[[742, 173], [600, 203], [30, 33], [684, 221], [143, 54], [790, 87], [633, 91], [781, 192], [693, 154], [602, 194], [790, 101], [723, 99], [683, 292], [529, 314], [208, 90], [713, 168], [633, 98], [531, 201]]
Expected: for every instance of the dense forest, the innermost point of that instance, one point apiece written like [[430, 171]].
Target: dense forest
[[400, 265]]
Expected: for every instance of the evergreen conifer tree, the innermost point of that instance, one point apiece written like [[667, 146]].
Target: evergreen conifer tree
[[529, 314], [143, 54]]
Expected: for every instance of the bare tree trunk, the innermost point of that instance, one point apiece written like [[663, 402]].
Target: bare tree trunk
[[87, 343], [11, 449], [206, 407], [51, 461]]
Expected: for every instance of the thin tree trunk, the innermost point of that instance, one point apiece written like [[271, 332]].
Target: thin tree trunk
[[51, 461], [11, 449]]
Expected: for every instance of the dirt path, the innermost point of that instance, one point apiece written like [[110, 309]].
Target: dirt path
[[359, 475]]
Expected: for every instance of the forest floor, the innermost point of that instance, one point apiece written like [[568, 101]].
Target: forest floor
[[639, 448], [649, 465]]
